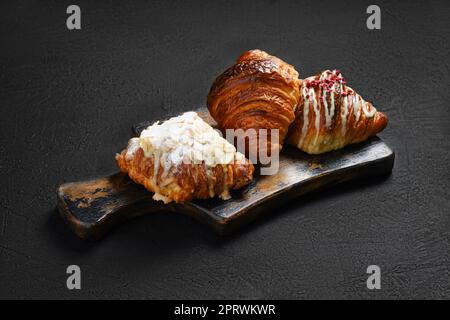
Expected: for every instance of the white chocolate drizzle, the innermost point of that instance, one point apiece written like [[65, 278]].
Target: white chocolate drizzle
[[329, 112], [348, 98], [305, 116], [368, 113], [357, 106], [344, 113], [316, 113]]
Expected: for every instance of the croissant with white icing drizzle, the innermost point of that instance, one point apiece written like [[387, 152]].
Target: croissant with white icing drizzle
[[332, 115], [259, 91], [184, 158]]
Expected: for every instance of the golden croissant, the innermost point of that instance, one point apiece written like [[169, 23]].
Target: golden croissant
[[332, 115], [183, 159], [259, 91]]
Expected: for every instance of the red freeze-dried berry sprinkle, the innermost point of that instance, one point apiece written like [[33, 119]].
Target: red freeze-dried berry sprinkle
[[327, 83]]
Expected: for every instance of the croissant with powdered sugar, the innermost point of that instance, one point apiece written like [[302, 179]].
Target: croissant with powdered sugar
[[184, 158]]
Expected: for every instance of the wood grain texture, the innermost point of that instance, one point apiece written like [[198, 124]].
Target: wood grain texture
[[92, 207], [68, 100]]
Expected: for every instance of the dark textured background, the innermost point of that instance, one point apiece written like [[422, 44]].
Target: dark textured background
[[69, 98]]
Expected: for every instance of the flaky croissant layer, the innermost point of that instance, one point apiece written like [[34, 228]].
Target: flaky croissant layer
[[259, 91], [183, 182], [332, 115]]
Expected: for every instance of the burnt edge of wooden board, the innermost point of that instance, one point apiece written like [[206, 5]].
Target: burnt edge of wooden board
[[376, 167], [232, 214]]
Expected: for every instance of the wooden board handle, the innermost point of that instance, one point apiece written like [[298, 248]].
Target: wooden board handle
[[91, 208]]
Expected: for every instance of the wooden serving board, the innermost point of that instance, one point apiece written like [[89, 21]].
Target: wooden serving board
[[92, 207]]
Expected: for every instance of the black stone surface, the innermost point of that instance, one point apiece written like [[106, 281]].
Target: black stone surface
[[69, 98]]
